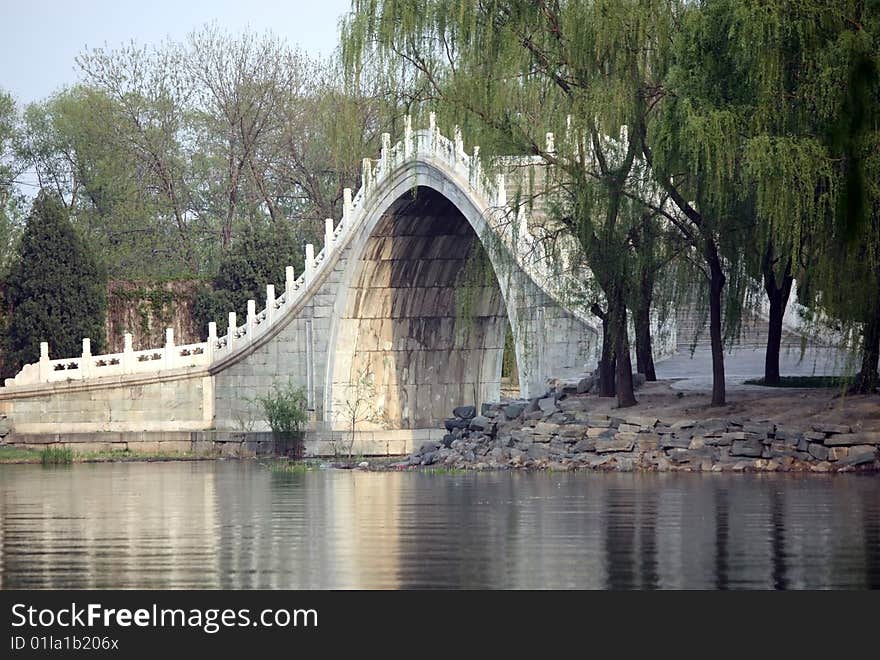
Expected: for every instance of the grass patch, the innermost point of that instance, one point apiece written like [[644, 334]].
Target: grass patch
[[56, 456], [287, 467], [128, 455], [804, 381], [10, 454]]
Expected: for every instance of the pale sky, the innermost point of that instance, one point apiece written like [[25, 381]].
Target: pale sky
[[39, 40]]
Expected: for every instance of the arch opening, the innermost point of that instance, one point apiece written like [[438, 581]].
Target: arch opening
[[424, 322]]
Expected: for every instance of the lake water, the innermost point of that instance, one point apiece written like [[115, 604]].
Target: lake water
[[237, 525]]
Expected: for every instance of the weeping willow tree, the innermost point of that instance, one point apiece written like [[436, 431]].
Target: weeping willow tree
[[789, 168], [768, 120], [844, 280], [694, 143], [508, 72], [808, 76]]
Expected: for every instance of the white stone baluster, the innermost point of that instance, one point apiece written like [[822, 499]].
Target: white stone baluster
[[346, 205], [289, 279], [85, 363], [432, 133], [270, 301], [407, 137], [459, 142], [230, 333], [475, 168], [310, 260], [170, 361], [523, 237], [127, 353], [44, 362], [386, 154], [366, 174], [212, 341], [328, 237], [500, 192], [251, 318], [550, 146]]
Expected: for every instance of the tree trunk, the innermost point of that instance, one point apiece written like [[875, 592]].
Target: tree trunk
[[868, 378], [716, 287], [778, 297], [606, 362], [642, 322], [617, 325]]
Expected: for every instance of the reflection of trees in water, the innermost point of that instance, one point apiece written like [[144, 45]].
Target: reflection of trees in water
[[332, 530], [619, 523], [237, 525], [648, 541], [501, 530], [107, 526], [777, 530], [871, 525], [721, 531]]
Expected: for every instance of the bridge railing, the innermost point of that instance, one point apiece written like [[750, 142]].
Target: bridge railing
[[129, 361], [429, 144]]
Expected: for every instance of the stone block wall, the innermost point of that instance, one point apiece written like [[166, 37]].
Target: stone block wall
[[181, 401], [298, 352]]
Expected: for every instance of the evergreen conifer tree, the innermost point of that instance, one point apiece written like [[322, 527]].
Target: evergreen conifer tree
[[56, 290]]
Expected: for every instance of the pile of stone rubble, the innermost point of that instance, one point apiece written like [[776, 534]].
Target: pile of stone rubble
[[558, 432]]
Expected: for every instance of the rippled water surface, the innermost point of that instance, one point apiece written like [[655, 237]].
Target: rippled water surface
[[237, 525]]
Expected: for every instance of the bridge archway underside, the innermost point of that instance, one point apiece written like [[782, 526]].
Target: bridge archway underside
[[424, 321]]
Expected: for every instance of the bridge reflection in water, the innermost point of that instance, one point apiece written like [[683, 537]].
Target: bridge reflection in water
[[237, 525]]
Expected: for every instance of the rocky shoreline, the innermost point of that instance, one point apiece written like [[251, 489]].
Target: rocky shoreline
[[558, 432]]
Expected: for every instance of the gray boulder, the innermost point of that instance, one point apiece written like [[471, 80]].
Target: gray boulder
[[480, 423], [428, 447], [586, 384], [465, 412], [456, 423], [514, 410]]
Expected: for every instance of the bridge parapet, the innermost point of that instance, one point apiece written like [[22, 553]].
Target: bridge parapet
[[86, 365]]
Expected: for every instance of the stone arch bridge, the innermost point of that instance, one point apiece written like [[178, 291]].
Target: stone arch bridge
[[401, 316]]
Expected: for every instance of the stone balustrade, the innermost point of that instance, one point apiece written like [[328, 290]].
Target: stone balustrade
[[86, 365]]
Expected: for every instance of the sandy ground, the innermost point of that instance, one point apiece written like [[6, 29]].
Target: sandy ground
[[685, 382], [793, 408]]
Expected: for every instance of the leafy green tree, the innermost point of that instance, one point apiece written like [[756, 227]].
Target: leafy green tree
[[773, 58], [802, 80], [55, 290], [74, 144], [256, 258], [845, 278], [215, 134], [10, 198], [694, 140]]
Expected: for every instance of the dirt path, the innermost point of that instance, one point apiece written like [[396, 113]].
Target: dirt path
[[796, 408]]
